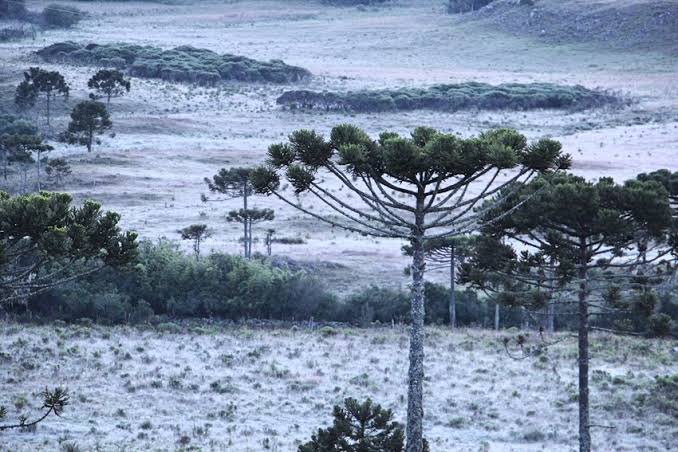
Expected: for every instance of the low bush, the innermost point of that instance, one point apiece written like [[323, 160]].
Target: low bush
[[454, 97], [181, 64], [466, 6]]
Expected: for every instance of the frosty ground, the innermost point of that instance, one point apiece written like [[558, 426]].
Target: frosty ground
[[249, 389]]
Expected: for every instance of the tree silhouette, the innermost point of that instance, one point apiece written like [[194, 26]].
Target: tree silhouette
[[248, 217], [108, 83], [604, 239], [88, 118], [233, 183], [268, 241], [415, 188], [197, 233], [38, 81]]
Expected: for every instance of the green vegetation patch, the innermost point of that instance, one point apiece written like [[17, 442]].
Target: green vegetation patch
[[182, 64], [453, 97]]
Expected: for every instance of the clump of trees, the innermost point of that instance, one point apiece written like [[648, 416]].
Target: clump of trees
[[415, 188], [181, 64], [454, 97]]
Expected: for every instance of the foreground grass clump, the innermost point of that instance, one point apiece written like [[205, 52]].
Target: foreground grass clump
[[181, 64], [453, 97]]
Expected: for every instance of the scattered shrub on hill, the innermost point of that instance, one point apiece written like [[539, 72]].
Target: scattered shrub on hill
[[453, 97], [181, 64], [61, 16], [465, 6]]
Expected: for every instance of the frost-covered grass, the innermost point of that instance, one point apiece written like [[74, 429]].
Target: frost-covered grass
[[244, 389]]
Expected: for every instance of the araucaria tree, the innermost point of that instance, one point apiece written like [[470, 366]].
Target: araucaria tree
[[233, 183], [248, 217], [196, 233], [37, 82], [414, 188], [21, 146], [605, 240], [45, 242], [108, 83], [88, 118]]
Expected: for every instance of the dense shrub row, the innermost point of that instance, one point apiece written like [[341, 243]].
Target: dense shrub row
[[181, 64], [453, 97], [167, 283]]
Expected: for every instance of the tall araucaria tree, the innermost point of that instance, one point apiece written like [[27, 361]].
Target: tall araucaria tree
[[233, 183], [415, 188], [601, 240]]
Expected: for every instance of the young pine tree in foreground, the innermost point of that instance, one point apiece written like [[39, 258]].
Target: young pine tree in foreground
[[415, 188]]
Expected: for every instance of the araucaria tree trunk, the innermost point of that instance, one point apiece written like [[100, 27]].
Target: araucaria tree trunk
[[453, 296], [584, 425], [246, 237], [415, 393]]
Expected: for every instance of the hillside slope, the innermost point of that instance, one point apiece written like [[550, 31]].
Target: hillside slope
[[650, 25]]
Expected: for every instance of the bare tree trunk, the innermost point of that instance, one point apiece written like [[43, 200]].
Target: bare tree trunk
[[551, 317], [245, 228], [415, 393], [584, 424], [39, 163], [90, 137], [453, 296], [496, 316], [49, 95], [249, 235]]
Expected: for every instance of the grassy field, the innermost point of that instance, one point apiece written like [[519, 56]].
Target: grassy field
[[248, 389]]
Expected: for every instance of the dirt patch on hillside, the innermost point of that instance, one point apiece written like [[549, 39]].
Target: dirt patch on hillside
[[619, 24]]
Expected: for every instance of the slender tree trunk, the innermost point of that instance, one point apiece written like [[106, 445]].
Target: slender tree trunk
[[584, 423], [39, 163], [496, 316], [90, 137], [415, 393], [453, 296], [245, 228], [249, 242], [551, 317], [5, 162], [108, 100], [49, 96]]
